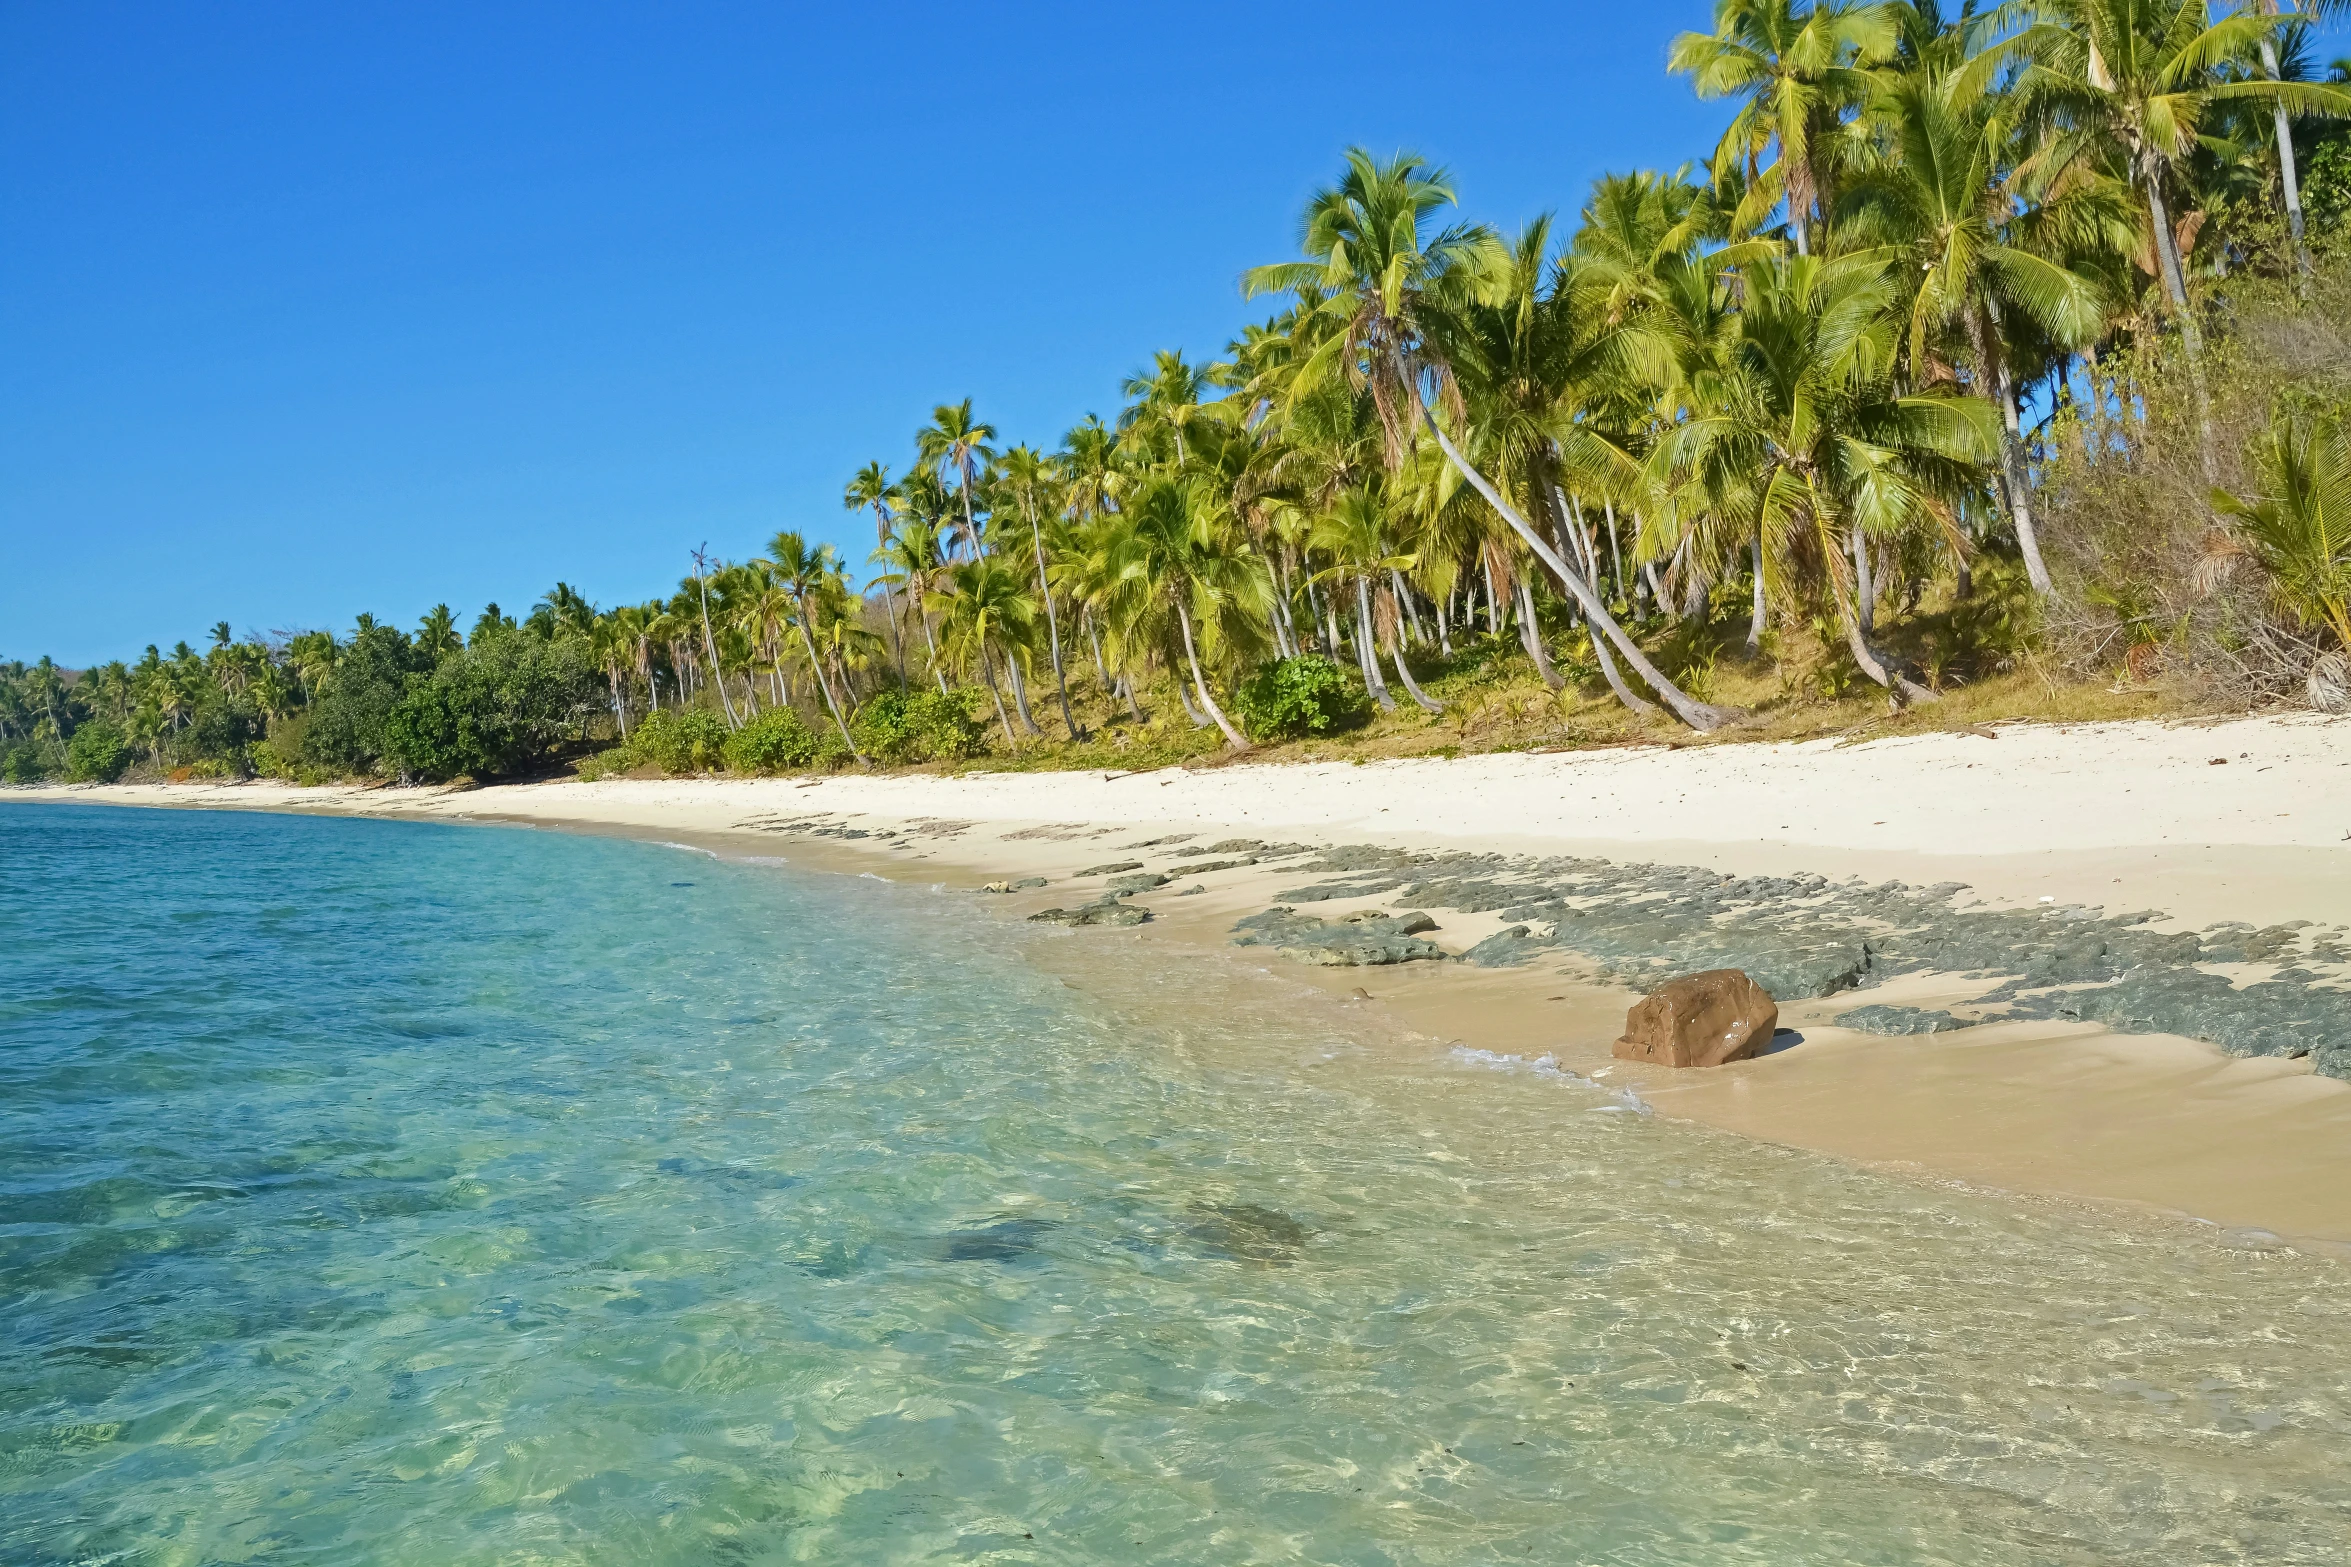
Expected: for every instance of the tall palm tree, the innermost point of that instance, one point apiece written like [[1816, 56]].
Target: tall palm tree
[[954, 442], [871, 490], [910, 556], [718, 676], [803, 571], [1808, 430], [1385, 282], [1942, 202], [1028, 477], [989, 610], [1186, 558], [1799, 67]]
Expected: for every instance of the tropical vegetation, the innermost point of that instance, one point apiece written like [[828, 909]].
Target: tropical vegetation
[[1990, 349]]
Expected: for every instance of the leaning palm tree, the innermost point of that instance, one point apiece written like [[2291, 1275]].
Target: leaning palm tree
[[910, 556], [954, 442], [872, 490], [1185, 555], [1384, 282], [804, 571]]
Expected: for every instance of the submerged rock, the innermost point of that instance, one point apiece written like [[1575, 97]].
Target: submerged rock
[[1704, 1019], [1007, 1241], [1242, 1229]]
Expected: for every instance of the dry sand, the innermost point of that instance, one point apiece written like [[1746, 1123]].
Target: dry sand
[[2243, 820]]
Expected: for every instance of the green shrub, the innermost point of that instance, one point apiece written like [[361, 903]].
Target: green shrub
[[923, 726], [29, 761], [780, 741], [98, 753], [607, 764], [1291, 697], [681, 740]]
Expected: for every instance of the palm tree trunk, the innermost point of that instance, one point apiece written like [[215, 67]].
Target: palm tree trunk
[[1126, 689], [937, 673], [2012, 487], [2175, 283], [1094, 635], [988, 668], [1755, 617], [1020, 692], [718, 670], [1590, 558], [1364, 656], [620, 714], [1530, 636], [1444, 632], [1411, 610], [1865, 593], [897, 633], [1493, 607], [1052, 625], [1411, 686], [1615, 550], [1698, 715], [1233, 737], [2288, 175]]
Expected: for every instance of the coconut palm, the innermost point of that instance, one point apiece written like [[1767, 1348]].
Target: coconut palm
[[1807, 429], [804, 571], [954, 442], [1187, 559], [1942, 203], [910, 556], [1799, 68], [1027, 477], [871, 490], [436, 634], [1386, 283], [989, 610]]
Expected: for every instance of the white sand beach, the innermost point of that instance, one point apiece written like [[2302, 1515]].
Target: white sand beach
[[2246, 820]]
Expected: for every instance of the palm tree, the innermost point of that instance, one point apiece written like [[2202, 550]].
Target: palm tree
[[1808, 431], [1184, 557], [989, 608], [1167, 404], [1798, 67], [956, 442], [1028, 475], [2143, 74], [1942, 202], [871, 489], [910, 555], [436, 634], [718, 676], [1383, 282], [803, 571]]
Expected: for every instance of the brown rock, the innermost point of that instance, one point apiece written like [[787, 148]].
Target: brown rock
[[1700, 1020]]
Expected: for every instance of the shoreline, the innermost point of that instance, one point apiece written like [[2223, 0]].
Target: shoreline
[[2119, 816]]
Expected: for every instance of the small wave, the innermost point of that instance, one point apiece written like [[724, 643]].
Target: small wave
[[1622, 1100], [690, 848], [870, 876]]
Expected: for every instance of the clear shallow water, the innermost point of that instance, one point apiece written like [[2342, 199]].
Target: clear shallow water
[[380, 1193]]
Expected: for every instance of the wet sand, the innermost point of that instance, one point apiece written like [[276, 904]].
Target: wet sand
[[2117, 817]]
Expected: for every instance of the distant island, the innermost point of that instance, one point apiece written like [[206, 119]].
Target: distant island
[[1984, 369]]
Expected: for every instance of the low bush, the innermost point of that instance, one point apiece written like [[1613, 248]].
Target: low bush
[[30, 761], [1295, 697], [98, 753], [924, 726], [780, 741], [681, 740], [612, 763]]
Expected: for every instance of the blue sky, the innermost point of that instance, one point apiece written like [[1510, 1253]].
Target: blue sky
[[309, 310]]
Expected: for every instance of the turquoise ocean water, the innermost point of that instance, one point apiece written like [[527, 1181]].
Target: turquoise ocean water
[[379, 1193]]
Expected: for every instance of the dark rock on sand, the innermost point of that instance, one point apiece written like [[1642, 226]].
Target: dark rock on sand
[[1700, 1020], [1113, 868], [1882, 1019], [1107, 912], [1135, 881], [1506, 948], [1358, 943]]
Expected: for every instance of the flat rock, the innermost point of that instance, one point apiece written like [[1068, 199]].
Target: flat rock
[[1883, 1019], [1368, 942], [1703, 1019], [1135, 881], [1094, 914], [1113, 868]]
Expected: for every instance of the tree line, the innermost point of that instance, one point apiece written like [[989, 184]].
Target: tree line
[[1947, 272]]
